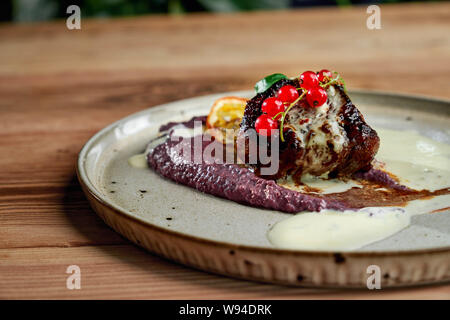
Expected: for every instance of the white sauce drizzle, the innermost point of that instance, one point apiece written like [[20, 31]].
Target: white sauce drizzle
[[338, 230], [138, 161], [324, 186], [331, 230], [185, 132], [316, 145], [419, 162]]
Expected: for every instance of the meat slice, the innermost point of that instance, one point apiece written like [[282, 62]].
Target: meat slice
[[331, 140]]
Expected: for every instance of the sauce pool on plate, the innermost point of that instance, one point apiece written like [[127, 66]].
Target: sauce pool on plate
[[417, 161]]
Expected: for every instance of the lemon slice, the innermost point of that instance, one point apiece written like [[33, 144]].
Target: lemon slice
[[224, 118], [226, 113]]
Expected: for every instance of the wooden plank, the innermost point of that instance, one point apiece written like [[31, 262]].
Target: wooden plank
[[399, 57], [117, 272]]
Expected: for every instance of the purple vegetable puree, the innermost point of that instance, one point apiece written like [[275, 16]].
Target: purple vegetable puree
[[240, 184]]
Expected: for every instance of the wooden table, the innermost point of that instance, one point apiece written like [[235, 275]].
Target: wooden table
[[58, 87]]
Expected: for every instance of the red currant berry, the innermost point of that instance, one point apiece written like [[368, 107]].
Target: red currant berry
[[265, 124], [308, 80], [272, 106], [287, 94], [316, 97], [324, 74]]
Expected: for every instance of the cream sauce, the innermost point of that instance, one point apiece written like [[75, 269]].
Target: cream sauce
[[138, 161], [318, 185], [185, 132], [417, 161], [338, 230], [314, 139], [331, 230]]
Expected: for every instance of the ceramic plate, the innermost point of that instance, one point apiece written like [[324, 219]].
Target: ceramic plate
[[224, 237]]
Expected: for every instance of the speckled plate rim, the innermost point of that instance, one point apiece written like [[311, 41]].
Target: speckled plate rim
[[96, 199]]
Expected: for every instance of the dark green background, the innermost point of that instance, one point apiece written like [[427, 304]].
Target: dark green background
[[41, 10]]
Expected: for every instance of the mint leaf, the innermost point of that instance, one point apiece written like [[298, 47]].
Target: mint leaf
[[264, 84]]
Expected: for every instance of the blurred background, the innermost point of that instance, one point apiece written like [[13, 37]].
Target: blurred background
[[42, 10]]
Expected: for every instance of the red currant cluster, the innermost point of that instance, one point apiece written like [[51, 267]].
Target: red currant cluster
[[312, 85]]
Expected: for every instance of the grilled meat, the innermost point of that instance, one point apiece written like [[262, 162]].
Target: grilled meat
[[331, 140]]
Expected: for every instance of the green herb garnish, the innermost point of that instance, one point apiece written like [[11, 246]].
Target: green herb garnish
[[338, 79], [265, 83]]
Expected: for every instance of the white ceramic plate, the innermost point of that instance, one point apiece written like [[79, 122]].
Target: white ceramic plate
[[222, 236]]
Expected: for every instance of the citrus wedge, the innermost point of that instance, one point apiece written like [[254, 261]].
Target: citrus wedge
[[225, 117]]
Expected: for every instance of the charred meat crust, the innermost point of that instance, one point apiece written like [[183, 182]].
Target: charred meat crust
[[363, 140], [253, 108], [252, 112]]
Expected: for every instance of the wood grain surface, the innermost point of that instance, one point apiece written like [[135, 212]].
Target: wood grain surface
[[58, 87]]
